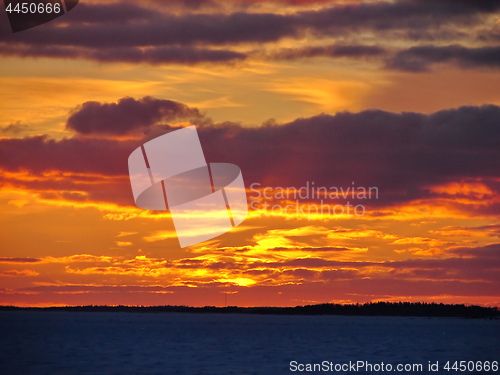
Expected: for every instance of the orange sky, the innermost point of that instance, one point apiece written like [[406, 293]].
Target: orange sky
[[397, 95]]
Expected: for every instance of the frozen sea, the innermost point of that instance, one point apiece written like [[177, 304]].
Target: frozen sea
[[58, 342]]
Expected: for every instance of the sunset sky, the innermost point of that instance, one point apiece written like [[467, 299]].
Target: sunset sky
[[402, 95]]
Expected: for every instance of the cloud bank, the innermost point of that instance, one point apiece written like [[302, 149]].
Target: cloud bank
[[149, 33]]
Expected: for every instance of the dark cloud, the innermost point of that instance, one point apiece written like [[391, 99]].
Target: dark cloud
[[402, 154], [493, 229], [489, 35], [480, 263], [353, 51], [464, 265], [15, 128], [421, 58], [472, 263], [97, 289], [310, 263], [120, 13], [38, 154], [223, 28], [170, 54], [152, 55], [127, 115], [135, 33], [413, 59], [314, 249], [166, 30], [491, 252], [478, 5], [19, 260]]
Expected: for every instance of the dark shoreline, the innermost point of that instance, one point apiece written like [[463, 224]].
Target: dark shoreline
[[367, 309]]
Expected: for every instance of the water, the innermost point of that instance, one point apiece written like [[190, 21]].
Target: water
[[57, 342]]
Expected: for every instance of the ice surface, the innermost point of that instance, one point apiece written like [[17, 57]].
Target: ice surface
[[57, 342]]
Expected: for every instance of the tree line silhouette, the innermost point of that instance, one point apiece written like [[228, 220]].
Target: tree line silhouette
[[417, 309]]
